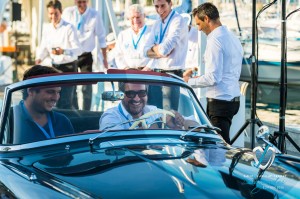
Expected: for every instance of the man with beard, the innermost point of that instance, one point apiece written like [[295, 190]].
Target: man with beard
[[34, 113], [134, 106]]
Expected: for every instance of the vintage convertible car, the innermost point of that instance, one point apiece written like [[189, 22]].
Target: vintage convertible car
[[128, 157]]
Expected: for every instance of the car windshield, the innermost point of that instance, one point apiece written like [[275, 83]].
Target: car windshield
[[58, 110]]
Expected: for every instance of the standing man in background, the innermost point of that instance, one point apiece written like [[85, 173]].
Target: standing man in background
[[223, 62], [131, 41], [168, 41], [60, 42], [89, 25], [167, 46]]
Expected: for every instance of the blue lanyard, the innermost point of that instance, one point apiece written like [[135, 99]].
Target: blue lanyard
[[80, 19], [40, 127], [136, 44], [163, 31], [123, 114]]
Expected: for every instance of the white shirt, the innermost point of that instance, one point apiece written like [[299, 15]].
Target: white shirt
[[118, 114], [129, 55], [223, 62], [174, 41], [63, 36], [191, 60], [88, 25]]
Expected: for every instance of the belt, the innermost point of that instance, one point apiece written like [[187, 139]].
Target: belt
[[65, 64], [235, 99], [85, 54]]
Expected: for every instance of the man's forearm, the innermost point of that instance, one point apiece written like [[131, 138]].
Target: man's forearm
[[104, 53], [153, 52]]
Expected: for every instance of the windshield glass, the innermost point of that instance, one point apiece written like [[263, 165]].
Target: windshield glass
[[53, 111]]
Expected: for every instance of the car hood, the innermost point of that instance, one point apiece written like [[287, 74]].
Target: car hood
[[158, 171]]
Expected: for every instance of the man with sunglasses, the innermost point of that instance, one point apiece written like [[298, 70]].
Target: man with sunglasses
[[89, 25], [134, 106]]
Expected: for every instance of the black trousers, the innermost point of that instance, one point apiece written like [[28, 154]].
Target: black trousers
[[157, 94], [220, 113], [85, 63], [67, 92]]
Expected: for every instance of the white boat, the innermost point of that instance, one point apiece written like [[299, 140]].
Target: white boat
[[269, 57]]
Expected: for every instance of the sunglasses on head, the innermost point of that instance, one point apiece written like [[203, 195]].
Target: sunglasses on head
[[132, 94]]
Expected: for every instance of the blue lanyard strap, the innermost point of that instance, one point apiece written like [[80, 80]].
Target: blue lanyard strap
[[79, 21], [123, 114], [52, 135], [163, 31], [137, 43]]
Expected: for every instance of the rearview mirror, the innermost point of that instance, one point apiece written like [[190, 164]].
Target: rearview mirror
[[112, 95]]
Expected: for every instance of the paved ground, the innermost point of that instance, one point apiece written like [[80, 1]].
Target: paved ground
[[270, 118]]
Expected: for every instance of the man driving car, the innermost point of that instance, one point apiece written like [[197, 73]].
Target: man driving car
[[133, 106]]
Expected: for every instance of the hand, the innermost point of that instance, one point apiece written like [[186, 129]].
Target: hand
[[187, 74], [57, 51], [176, 122], [38, 61], [146, 69]]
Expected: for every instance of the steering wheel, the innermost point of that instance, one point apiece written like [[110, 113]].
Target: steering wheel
[[155, 112]]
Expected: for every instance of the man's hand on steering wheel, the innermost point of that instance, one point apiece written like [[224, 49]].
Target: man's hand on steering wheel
[[176, 122]]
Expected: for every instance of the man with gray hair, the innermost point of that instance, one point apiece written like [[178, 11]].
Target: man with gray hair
[[131, 41]]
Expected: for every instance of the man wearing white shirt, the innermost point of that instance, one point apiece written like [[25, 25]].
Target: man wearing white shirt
[[223, 61], [168, 42], [133, 106], [167, 46], [89, 25], [60, 42], [131, 42], [191, 61]]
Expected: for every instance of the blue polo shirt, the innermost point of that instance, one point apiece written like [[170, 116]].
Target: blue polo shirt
[[26, 130]]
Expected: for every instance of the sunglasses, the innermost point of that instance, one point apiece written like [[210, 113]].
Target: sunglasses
[[132, 94]]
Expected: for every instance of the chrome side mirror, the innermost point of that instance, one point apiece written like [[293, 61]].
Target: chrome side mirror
[[262, 135]]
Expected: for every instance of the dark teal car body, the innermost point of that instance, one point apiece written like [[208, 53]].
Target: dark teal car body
[[139, 163]]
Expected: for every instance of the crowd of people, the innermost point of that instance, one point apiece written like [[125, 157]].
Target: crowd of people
[[170, 45]]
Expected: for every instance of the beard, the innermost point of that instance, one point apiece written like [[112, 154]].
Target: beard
[[135, 108]]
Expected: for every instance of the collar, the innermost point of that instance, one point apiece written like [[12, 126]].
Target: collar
[[128, 115], [167, 18], [59, 24], [125, 111], [140, 30], [85, 12], [28, 117], [215, 31]]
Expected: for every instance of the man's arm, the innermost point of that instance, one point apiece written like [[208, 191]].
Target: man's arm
[[42, 51], [172, 37], [75, 49], [101, 33], [105, 63], [153, 52]]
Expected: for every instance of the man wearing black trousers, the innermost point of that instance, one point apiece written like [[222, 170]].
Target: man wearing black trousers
[[223, 61], [89, 26]]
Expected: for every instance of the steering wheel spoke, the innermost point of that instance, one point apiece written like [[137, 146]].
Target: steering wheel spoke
[[143, 118]]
